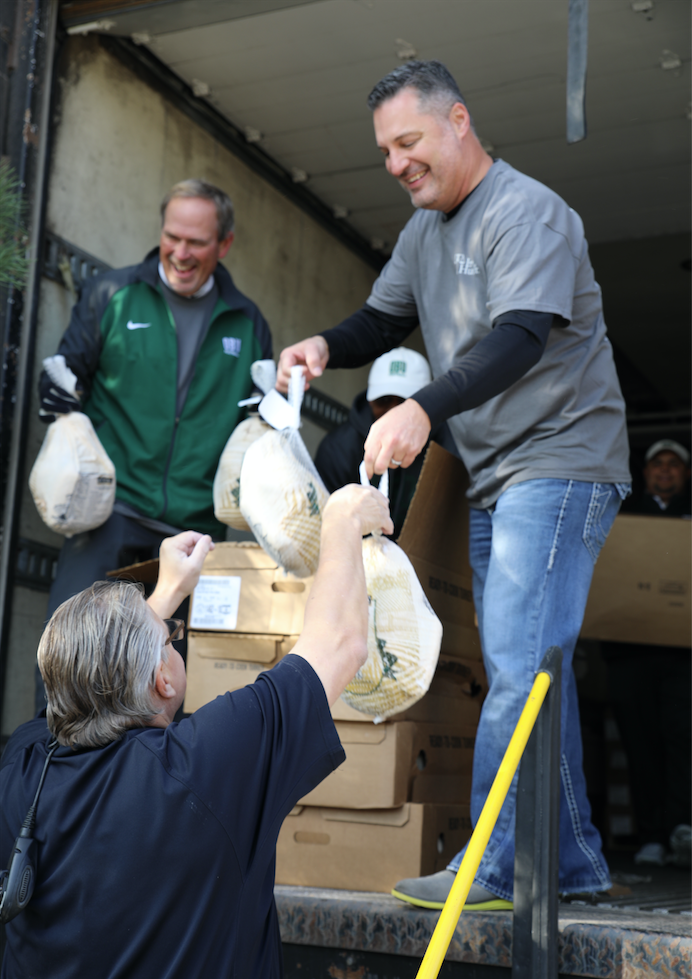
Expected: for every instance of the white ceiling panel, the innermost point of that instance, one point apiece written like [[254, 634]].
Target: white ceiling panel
[[300, 75]]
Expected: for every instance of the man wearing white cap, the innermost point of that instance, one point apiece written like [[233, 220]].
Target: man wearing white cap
[[666, 475], [393, 377]]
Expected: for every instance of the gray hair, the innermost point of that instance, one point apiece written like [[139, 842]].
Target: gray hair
[[98, 658], [436, 86], [225, 215]]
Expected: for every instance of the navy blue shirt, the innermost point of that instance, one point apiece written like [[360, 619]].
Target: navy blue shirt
[[156, 853]]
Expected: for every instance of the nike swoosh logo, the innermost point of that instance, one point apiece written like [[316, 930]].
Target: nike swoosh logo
[[137, 326]]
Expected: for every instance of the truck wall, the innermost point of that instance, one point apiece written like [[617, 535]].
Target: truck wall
[[118, 146]]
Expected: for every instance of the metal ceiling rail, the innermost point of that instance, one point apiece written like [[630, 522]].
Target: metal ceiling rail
[[162, 79]]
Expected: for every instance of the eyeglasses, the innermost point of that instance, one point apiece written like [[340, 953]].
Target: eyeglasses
[[176, 630]]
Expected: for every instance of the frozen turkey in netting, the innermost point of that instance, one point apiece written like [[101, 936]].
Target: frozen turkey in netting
[[73, 479], [282, 496], [404, 634], [226, 489]]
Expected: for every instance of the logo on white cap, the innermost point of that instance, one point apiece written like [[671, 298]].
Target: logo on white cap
[[400, 373]]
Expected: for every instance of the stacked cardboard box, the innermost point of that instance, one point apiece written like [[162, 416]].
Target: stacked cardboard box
[[368, 849], [245, 615]]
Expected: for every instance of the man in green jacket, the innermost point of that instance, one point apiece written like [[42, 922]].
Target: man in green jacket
[[162, 354]]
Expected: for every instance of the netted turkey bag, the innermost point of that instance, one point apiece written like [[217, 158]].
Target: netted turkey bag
[[282, 499], [226, 489], [404, 635], [73, 479]]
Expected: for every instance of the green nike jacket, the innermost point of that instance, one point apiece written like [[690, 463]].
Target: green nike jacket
[[165, 464]]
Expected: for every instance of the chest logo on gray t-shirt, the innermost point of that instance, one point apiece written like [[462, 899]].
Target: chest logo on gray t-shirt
[[465, 265]]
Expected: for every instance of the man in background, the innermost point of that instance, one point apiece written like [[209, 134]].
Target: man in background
[[162, 353], [666, 476], [650, 691], [393, 377]]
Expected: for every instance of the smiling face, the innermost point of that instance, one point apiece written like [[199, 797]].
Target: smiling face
[[189, 247], [433, 156], [665, 475]]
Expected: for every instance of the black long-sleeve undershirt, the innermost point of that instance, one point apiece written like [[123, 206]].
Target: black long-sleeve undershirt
[[515, 344]]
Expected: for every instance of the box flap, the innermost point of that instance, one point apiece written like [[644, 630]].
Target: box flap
[[145, 571], [251, 647], [353, 732], [436, 526], [235, 555], [375, 817], [449, 592]]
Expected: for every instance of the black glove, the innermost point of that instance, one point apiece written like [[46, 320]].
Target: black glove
[[54, 400]]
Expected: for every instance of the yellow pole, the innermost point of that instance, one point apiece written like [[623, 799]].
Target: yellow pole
[[449, 916]]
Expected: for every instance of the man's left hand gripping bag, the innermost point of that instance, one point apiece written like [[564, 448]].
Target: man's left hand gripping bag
[[281, 494]]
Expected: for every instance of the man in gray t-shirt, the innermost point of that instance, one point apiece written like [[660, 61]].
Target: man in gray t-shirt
[[495, 268]]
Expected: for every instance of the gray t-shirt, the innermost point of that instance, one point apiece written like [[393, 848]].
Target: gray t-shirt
[[192, 317], [514, 244]]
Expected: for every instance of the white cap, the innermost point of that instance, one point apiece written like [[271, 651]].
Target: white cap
[[400, 372], [668, 445]]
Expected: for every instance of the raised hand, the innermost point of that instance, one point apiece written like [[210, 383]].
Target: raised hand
[[312, 353]]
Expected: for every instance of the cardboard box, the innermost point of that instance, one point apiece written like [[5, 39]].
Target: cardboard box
[[640, 591], [270, 602], [228, 661], [442, 789], [383, 761], [435, 537], [267, 620], [368, 850]]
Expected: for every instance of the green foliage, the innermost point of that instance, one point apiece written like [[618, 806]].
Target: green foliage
[[14, 264]]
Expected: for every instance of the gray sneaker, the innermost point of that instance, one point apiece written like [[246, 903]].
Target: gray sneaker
[[432, 892], [681, 845], [651, 853]]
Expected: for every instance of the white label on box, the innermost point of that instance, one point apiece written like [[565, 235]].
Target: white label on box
[[215, 602]]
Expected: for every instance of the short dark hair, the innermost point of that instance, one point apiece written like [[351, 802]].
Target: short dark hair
[[432, 80], [194, 187]]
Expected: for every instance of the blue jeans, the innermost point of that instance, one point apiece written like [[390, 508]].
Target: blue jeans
[[532, 556]]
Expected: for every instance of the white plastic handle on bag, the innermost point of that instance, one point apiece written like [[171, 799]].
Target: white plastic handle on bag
[[296, 392], [279, 412], [263, 374], [383, 486]]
